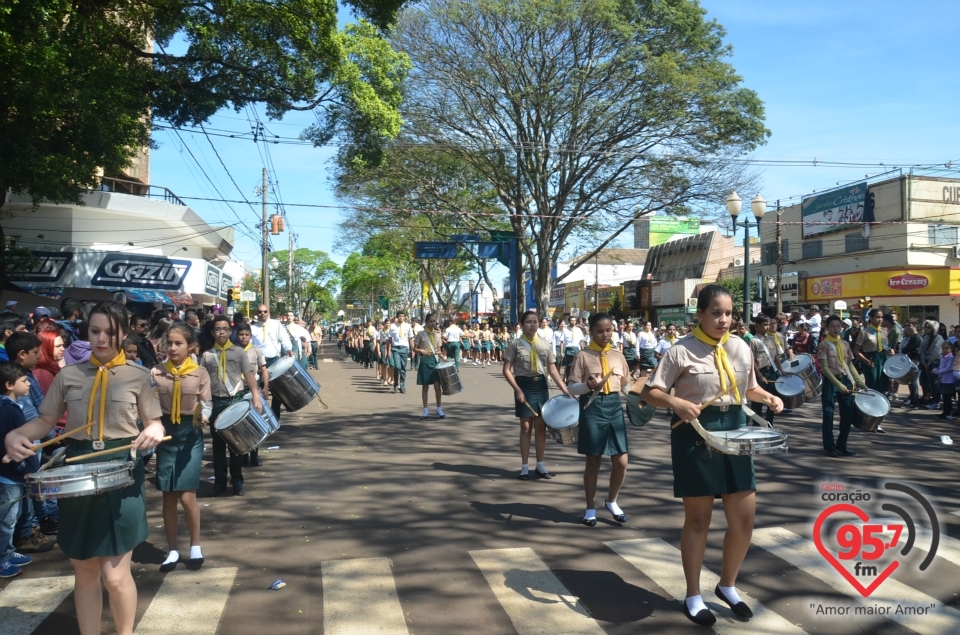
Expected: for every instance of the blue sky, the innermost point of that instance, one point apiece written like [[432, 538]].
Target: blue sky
[[867, 82]]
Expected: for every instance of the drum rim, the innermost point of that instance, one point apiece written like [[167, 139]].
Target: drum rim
[[83, 469], [557, 401], [243, 403], [771, 434], [873, 396]]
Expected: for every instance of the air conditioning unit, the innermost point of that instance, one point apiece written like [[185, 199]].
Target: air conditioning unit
[[956, 251], [738, 262], [691, 303]]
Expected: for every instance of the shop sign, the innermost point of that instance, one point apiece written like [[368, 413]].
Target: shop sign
[[558, 296], [226, 283], [836, 210], [211, 282], [908, 282], [137, 271], [607, 295], [883, 283], [573, 296], [48, 267]]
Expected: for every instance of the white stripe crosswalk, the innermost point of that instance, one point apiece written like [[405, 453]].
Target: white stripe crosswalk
[[803, 554], [360, 596], [660, 562]]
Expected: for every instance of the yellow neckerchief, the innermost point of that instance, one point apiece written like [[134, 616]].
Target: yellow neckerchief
[[723, 363], [835, 340], [604, 366], [248, 347], [876, 332], [185, 368], [776, 338], [670, 340], [430, 340], [222, 360], [534, 357], [101, 382]]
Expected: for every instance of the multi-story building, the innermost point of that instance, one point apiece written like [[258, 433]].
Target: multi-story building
[[907, 259]]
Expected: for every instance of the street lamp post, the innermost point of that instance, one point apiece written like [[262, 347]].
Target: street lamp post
[[480, 297], [758, 206]]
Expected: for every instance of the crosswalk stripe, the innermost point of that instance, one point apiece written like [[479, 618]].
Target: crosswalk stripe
[[188, 603], [534, 598], [803, 554], [26, 603], [661, 562], [948, 549], [360, 598]]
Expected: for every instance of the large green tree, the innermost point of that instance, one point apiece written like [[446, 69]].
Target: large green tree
[[314, 284], [83, 80], [580, 115]]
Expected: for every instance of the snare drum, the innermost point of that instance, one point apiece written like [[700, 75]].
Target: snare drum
[[562, 416], [291, 384], [748, 441], [805, 368], [243, 428], [449, 377], [791, 390], [901, 369], [71, 481], [869, 409]]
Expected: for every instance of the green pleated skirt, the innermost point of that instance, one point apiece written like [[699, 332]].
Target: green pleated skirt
[[647, 359], [630, 353], [602, 431], [108, 524], [874, 377], [180, 459], [699, 470], [427, 372], [536, 392]]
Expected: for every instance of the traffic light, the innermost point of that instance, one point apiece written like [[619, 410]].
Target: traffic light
[[231, 295], [866, 303]]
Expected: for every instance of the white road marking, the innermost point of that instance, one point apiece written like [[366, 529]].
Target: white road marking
[[948, 549], [534, 598], [360, 598], [327, 361], [188, 603], [24, 604], [803, 554], [660, 562]]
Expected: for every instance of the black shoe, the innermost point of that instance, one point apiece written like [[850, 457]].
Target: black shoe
[[524, 477], [547, 475], [169, 566], [620, 518], [832, 453], [704, 618], [846, 453], [238, 489], [255, 461], [740, 609], [219, 489], [194, 564], [590, 522], [880, 430]]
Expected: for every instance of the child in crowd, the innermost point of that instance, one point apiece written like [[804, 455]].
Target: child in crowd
[[948, 383], [131, 351], [13, 385]]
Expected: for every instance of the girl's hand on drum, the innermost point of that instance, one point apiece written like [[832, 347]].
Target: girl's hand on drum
[[522, 398], [18, 447], [258, 404], [776, 403], [686, 410], [150, 438], [843, 390]]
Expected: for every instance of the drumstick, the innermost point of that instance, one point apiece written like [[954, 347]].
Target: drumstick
[[527, 404], [60, 437], [84, 457], [719, 396]]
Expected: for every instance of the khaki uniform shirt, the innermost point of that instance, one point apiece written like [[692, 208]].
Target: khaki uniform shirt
[[130, 396], [868, 340], [518, 352], [257, 360], [587, 363], [829, 358], [690, 368], [194, 387], [422, 341], [238, 363], [772, 344]]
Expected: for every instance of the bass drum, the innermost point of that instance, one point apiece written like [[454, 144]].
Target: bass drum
[[449, 378], [243, 428], [291, 384]]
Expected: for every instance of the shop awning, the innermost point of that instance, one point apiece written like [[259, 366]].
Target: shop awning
[[145, 295], [179, 298]]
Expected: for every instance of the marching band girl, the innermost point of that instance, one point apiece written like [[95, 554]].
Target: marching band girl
[[428, 343]]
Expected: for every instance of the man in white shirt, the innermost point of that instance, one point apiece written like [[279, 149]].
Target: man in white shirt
[[813, 325], [452, 337], [415, 360], [300, 338], [273, 340], [572, 343], [401, 336], [558, 341]]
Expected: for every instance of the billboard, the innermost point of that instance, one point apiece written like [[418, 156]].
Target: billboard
[[835, 210], [651, 231], [895, 282]]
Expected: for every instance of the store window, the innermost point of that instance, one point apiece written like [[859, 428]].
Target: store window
[[856, 242], [813, 249], [915, 312]]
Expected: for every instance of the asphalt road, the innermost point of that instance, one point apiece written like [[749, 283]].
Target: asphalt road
[[379, 522]]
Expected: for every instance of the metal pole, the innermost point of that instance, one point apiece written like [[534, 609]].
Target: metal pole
[[596, 283], [746, 270], [780, 261], [265, 246], [290, 294]]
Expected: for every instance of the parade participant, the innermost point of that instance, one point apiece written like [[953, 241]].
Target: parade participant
[[227, 366], [767, 352], [453, 335], [383, 360], [602, 428], [369, 339], [486, 343], [259, 362], [300, 338], [401, 337], [871, 349], [630, 350], [699, 368], [274, 341], [428, 345], [184, 391], [558, 341], [572, 343], [836, 364], [98, 532], [666, 342], [527, 362], [646, 343], [414, 357], [545, 332]]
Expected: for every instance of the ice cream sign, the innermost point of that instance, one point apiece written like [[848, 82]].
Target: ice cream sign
[[908, 282]]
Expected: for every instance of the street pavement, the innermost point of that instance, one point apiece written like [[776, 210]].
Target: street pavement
[[381, 523]]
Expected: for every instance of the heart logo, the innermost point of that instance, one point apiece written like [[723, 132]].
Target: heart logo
[[865, 591]]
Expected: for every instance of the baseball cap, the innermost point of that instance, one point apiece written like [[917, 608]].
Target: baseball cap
[[11, 303], [41, 312]]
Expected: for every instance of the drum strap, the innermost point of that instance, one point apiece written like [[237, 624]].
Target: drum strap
[[767, 351]]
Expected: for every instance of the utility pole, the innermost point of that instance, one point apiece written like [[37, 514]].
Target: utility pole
[[291, 299], [779, 260], [265, 246]]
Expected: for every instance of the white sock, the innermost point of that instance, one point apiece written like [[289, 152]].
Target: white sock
[[524, 469], [195, 552], [426, 411], [695, 604], [613, 507], [590, 513], [730, 593], [541, 467], [440, 411], [173, 556]]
